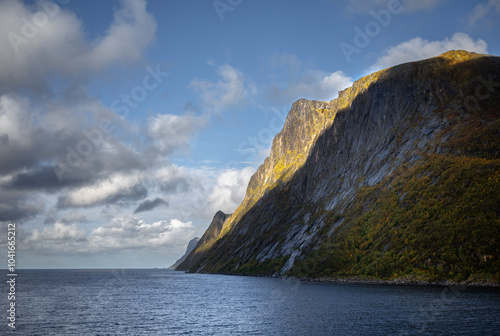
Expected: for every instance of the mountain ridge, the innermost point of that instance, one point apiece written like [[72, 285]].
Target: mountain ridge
[[304, 196], [190, 247], [206, 241]]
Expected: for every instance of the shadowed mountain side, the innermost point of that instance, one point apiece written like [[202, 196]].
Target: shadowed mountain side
[[205, 242], [191, 245], [401, 183]]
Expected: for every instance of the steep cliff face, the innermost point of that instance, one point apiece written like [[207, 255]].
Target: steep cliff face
[[205, 243], [191, 246], [397, 177]]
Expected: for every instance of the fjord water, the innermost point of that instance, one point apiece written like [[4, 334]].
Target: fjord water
[[162, 302]]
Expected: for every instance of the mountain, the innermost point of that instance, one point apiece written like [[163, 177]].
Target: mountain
[[206, 241], [191, 245], [396, 179]]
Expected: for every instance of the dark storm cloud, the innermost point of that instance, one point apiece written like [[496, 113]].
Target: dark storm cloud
[[42, 124], [45, 178], [148, 205], [53, 178], [15, 206], [53, 147]]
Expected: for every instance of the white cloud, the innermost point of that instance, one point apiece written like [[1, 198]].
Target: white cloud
[[58, 237], [303, 80], [172, 178], [117, 235], [47, 116], [15, 118], [112, 189], [45, 109], [482, 10], [321, 85], [126, 233], [32, 131], [172, 133], [59, 231], [131, 32], [42, 41], [418, 48], [231, 90], [229, 190]]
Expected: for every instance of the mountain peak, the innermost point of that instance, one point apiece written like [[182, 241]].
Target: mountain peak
[[190, 247], [206, 241], [457, 56]]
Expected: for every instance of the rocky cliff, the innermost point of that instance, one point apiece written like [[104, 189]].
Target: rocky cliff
[[206, 241], [191, 246], [396, 178]]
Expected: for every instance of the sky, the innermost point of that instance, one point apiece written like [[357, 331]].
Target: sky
[[125, 125]]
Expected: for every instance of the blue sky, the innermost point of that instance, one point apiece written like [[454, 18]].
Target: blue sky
[[125, 125]]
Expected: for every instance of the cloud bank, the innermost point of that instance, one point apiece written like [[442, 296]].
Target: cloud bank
[[302, 80], [418, 48]]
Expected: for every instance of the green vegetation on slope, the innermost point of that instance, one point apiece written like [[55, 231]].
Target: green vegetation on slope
[[436, 221], [252, 267]]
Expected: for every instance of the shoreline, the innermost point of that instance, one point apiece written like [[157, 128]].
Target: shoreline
[[394, 282], [364, 281]]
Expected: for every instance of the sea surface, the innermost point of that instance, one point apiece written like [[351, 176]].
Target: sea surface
[[164, 302]]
